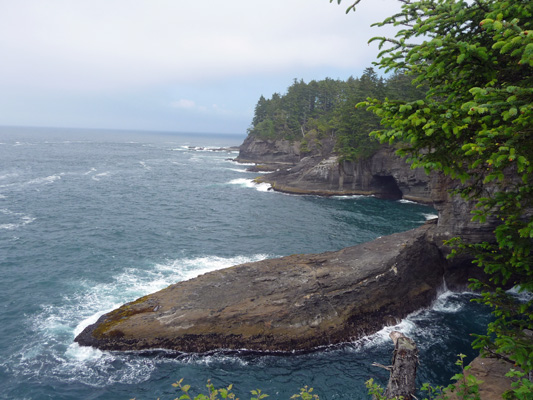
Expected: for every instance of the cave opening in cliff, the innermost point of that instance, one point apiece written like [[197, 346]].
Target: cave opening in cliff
[[388, 187]]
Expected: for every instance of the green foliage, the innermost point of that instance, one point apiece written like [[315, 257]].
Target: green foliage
[[305, 394], [466, 386], [375, 390], [475, 124], [212, 393], [326, 110], [521, 388], [226, 393]]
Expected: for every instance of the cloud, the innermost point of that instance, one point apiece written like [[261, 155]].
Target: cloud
[[190, 105], [98, 45], [140, 63]]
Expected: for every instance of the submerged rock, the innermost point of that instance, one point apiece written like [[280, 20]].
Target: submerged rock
[[293, 303]]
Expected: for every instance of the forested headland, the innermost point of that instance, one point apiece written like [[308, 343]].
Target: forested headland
[[325, 110]]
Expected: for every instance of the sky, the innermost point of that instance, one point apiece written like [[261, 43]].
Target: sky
[[172, 65]]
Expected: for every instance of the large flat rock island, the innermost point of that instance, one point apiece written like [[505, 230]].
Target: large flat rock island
[[293, 303]]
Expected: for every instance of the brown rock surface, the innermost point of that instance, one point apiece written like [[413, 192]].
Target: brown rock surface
[[292, 303], [492, 372]]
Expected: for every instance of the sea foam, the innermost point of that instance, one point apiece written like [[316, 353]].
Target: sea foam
[[249, 183], [54, 328], [20, 219]]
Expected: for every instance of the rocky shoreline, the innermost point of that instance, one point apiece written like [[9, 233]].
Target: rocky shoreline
[[302, 302], [292, 303]]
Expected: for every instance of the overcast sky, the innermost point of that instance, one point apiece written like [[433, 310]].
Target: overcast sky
[[173, 65]]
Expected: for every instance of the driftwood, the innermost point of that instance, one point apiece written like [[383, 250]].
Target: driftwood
[[403, 368]]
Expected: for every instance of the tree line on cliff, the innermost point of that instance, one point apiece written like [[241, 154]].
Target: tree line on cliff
[[325, 110]]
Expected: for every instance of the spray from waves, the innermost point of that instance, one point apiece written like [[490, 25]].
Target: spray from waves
[[429, 216], [521, 295], [51, 352], [249, 183], [415, 325]]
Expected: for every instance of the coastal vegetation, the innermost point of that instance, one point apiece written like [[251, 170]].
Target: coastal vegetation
[[475, 124], [317, 111]]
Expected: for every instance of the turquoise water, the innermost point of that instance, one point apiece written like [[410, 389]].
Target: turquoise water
[[92, 219]]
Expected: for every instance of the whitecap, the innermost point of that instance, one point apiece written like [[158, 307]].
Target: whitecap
[[241, 163], [522, 296], [429, 217], [22, 219], [209, 360], [13, 175], [100, 175], [83, 353], [447, 302], [249, 183], [143, 164], [46, 180], [349, 197], [182, 148], [51, 352], [90, 171], [405, 326], [405, 201], [239, 170]]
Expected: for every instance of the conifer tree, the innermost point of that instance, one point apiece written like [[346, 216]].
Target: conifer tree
[[475, 124]]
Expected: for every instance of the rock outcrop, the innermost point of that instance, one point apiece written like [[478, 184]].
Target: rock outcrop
[[384, 175], [302, 302], [269, 151], [293, 303]]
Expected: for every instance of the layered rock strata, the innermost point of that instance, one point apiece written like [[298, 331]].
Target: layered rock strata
[[293, 303]]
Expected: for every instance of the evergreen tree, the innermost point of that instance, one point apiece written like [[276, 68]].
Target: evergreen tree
[[474, 124]]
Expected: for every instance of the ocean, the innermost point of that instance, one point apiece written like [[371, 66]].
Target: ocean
[[91, 219]]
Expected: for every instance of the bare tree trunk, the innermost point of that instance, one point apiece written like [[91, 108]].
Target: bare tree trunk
[[403, 370]]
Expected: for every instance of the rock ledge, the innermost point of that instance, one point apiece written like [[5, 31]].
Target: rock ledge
[[294, 303]]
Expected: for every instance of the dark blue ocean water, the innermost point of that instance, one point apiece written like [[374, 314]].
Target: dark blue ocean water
[[92, 219]]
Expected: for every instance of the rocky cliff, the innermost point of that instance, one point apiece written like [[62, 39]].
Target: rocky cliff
[[269, 151], [384, 175], [302, 302], [292, 303]]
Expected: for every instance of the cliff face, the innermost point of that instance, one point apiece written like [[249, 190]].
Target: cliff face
[[383, 175], [269, 151]]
